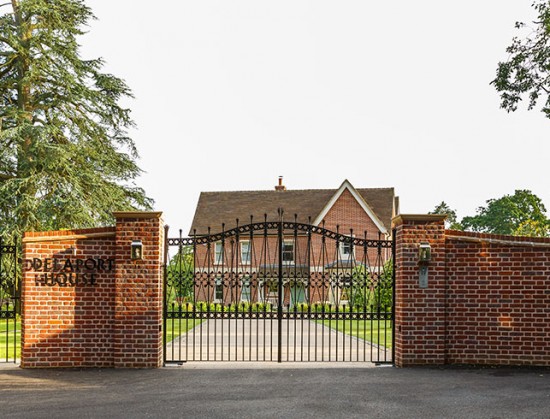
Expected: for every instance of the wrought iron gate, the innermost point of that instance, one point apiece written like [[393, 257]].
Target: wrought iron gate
[[278, 291], [10, 331]]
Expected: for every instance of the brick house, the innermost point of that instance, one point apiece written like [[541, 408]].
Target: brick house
[[244, 267]]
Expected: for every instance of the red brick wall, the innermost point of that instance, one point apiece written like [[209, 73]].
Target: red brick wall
[[138, 301], [498, 299], [68, 326], [487, 301], [419, 312], [115, 322], [348, 214]]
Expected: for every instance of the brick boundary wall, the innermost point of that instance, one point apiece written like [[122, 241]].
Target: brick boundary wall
[[86, 303], [487, 301]]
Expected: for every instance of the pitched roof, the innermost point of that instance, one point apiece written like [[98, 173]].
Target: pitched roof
[[215, 208]]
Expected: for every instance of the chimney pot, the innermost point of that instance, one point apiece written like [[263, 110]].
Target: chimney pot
[[280, 186]]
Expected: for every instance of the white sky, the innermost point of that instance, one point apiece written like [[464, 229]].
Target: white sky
[[232, 94]]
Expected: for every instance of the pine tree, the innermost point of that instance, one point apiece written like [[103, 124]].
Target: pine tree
[[66, 159]]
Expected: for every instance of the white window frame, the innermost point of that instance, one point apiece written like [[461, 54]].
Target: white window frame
[[346, 255], [248, 260], [218, 253], [285, 243]]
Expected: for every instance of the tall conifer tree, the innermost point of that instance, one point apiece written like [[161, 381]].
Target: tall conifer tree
[[66, 159]]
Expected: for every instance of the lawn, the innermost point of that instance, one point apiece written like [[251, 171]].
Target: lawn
[[7, 339], [375, 331], [177, 327]]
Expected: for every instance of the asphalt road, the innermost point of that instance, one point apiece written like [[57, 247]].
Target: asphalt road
[[275, 391]]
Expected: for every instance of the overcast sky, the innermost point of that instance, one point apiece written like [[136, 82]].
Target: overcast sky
[[232, 94]]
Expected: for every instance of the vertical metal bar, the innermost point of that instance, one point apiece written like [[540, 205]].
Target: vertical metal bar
[[257, 315], [223, 298], [181, 282], [379, 287], [371, 324], [392, 316], [210, 263], [287, 332], [222, 318], [207, 330], [337, 326], [234, 284], [265, 306], [7, 332], [339, 283], [179, 332], [302, 333], [215, 330], [194, 334], [249, 325], [323, 333], [252, 262], [296, 260], [309, 287], [351, 259], [265, 244], [309, 332], [364, 280], [316, 324], [280, 287], [165, 300], [16, 303]]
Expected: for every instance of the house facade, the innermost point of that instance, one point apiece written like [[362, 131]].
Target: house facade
[[244, 266]]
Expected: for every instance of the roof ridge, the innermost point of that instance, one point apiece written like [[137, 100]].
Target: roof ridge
[[293, 190]]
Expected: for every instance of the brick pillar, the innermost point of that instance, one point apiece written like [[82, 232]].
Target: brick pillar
[[419, 312], [138, 301]]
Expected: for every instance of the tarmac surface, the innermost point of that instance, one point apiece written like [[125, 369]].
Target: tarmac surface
[[271, 390]]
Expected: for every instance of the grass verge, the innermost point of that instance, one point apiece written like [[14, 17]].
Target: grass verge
[[177, 327], [9, 338], [379, 332]]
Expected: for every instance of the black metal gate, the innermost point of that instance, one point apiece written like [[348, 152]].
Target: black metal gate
[[10, 330], [279, 291]]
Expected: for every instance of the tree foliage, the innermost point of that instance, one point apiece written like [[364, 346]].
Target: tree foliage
[[180, 271], [520, 214], [375, 294], [451, 221], [527, 70], [66, 159]]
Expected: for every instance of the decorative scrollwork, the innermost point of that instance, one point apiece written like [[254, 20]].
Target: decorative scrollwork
[[274, 226]]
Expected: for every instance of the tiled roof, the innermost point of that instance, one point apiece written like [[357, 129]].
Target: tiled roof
[[215, 208]]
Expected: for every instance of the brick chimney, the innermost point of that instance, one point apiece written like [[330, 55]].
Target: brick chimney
[[280, 186]]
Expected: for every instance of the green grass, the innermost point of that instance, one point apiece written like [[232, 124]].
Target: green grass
[[379, 332], [173, 330], [8, 339], [177, 327]]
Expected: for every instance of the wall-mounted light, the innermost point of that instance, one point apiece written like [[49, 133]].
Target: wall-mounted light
[[424, 253], [424, 259], [137, 250]]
